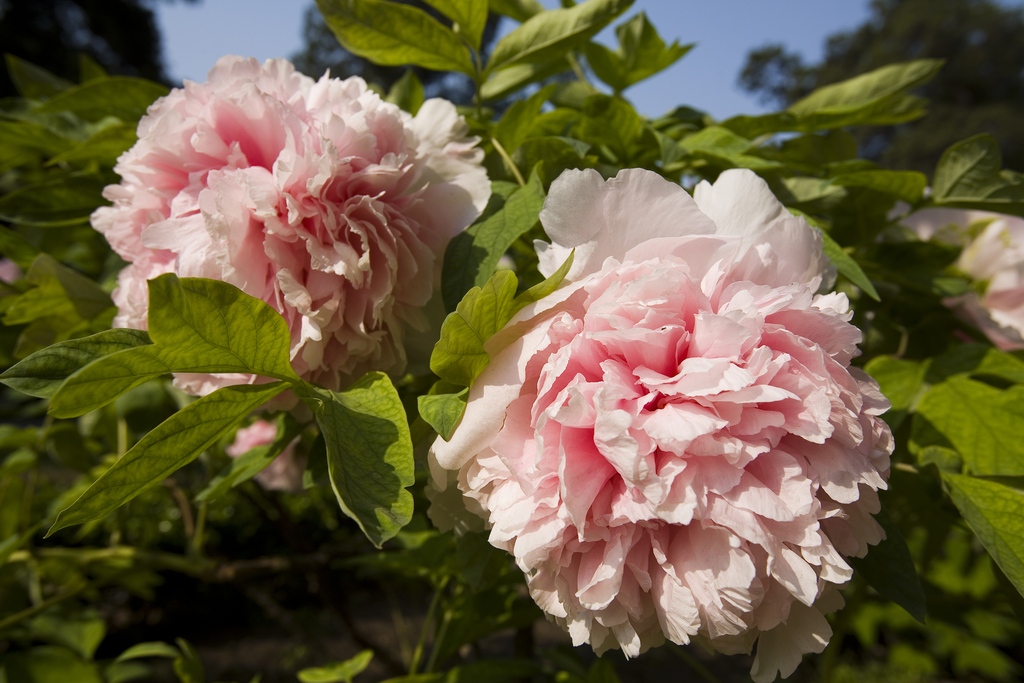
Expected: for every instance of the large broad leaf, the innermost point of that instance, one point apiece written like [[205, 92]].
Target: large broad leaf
[[996, 514], [549, 35], [472, 256], [469, 16], [393, 34], [877, 97], [907, 185], [369, 452], [459, 355], [520, 10], [641, 54], [170, 446], [889, 569], [981, 422], [42, 373], [509, 80], [196, 325], [121, 96], [969, 176], [68, 200]]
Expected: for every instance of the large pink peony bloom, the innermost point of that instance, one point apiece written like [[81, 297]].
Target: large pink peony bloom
[[284, 473], [674, 445], [318, 197], [994, 254]]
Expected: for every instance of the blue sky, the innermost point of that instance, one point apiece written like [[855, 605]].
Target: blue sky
[[195, 35]]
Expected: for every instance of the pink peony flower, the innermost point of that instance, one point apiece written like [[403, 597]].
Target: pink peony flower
[[673, 444], [317, 197], [284, 473], [994, 254]]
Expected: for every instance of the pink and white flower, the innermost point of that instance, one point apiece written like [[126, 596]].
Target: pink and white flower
[[673, 445], [317, 197], [284, 473], [993, 254]]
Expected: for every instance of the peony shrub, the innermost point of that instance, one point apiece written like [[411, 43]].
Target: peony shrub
[[673, 445], [317, 197]]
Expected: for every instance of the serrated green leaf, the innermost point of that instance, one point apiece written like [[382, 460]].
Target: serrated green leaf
[[343, 672], [969, 176], [996, 514], [472, 256], [641, 54], [171, 445], [42, 373], [103, 147], [889, 569], [549, 35], [983, 423], [369, 452], [907, 185], [469, 15], [196, 325], [407, 92], [392, 34], [520, 10], [57, 202], [443, 406], [125, 97], [249, 464]]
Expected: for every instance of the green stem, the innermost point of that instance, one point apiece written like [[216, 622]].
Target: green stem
[[417, 654], [197, 537], [73, 589], [438, 639], [508, 162]]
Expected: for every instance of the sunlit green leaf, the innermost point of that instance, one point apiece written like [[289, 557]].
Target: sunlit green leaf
[[122, 96], [641, 54], [338, 673], [443, 406], [104, 147], [151, 649], [520, 10], [392, 34], [969, 176], [907, 185], [469, 15], [510, 79], [407, 92], [369, 452], [549, 35], [167, 448], [901, 382]]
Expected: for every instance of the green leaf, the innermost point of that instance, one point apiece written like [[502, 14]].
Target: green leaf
[[968, 176], [901, 381], [407, 92], [556, 153], [459, 355], [442, 407], [613, 122], [520, 10], [996, 514], [542, 289], [725, 147], [518, 120], [641, 54], [103, 147], [392, 34], [338, 673], [79, 630], [151, 649], [512, 78], [188, 666], [549, 35], [369, 452], [976, 360], [88, 69], [33, 82], [196, 325], [983, 423], [472, 256], [58, 290], [876, 97], [48, 664], [42, 373], [57, 202], [907, 185], [125, 97], [889, 569], [15, 247], [249, 464], [170, 446], [469, 15]]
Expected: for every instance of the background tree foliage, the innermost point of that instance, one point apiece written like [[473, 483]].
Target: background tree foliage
[[980, 89]]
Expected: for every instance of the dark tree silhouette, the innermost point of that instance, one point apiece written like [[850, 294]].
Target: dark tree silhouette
[[979, 90]]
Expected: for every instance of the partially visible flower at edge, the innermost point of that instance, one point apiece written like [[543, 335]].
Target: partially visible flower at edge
[[673, 445], [993, 255], [317, 197], [284, 473]]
